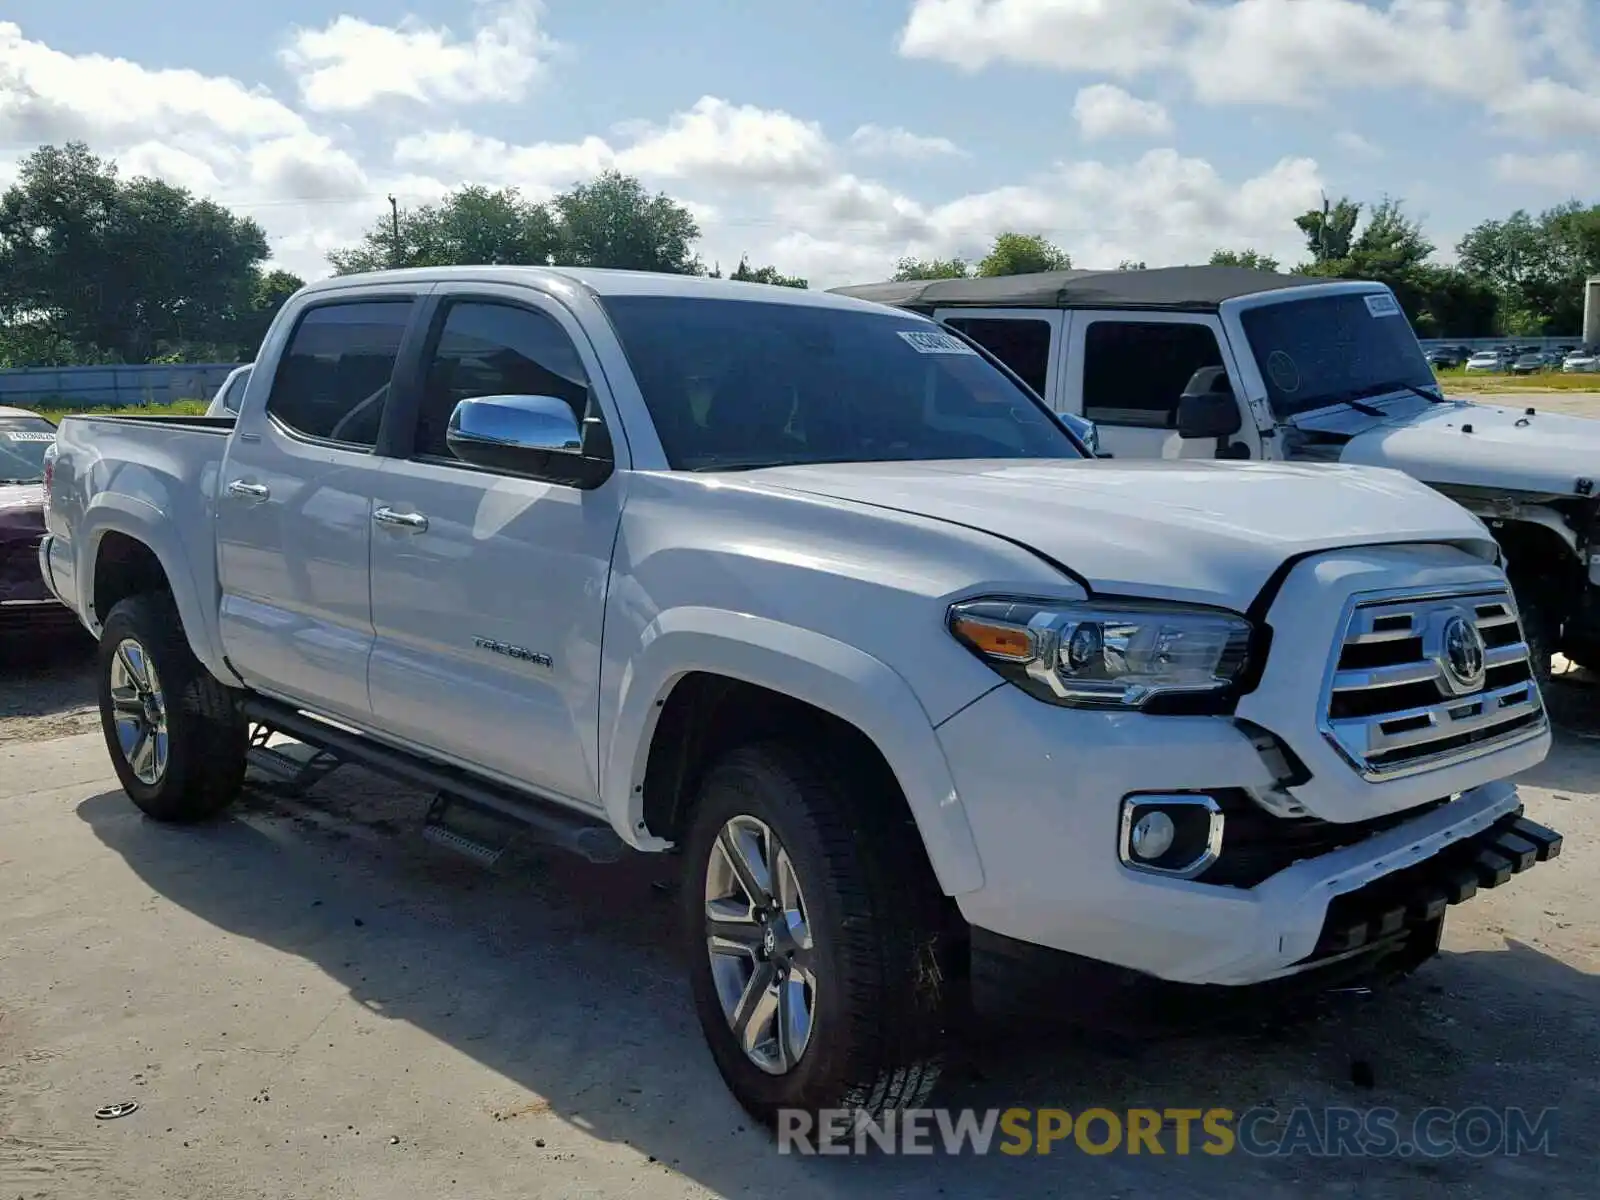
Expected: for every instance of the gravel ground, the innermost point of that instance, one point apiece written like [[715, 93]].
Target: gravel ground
[[307, 1000]]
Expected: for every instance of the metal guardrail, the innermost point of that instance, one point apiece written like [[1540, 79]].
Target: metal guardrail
[[113, 386]]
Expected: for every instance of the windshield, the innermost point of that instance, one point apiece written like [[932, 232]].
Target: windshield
[[23, 441], [734, 383], [1333, 349]]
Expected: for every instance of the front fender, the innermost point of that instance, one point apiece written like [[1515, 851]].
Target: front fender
[[810, 667], [192, 584]]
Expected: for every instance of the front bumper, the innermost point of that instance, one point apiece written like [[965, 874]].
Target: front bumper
[[1042, 788], [26, 600]]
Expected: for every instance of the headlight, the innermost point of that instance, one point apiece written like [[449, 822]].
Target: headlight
[[1114, 654]]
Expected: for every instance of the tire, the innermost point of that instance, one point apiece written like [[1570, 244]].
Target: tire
[[1540, 629], [205, 738], [879, 962]]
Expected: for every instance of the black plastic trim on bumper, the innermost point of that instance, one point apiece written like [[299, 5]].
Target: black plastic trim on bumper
[[1393, 906]]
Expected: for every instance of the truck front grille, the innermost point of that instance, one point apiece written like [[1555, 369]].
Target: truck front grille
[[1427, 681]]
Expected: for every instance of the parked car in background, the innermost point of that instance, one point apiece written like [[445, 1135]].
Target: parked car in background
[[1229, 363], [1444, 358], [1584, 361], [25, 601], [226, 401], [1490, 361], [1530, 362], [810, 593]]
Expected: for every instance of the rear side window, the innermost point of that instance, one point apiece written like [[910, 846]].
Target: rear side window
[[234, 392], [1135, 371], [1024, 346], [333, 380]]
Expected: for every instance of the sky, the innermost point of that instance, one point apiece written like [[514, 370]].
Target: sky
[[831, 137]]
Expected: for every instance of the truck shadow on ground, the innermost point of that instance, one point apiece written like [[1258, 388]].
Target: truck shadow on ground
[[564, 978]]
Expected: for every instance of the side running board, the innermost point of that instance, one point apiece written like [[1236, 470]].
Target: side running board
[[475, 816]]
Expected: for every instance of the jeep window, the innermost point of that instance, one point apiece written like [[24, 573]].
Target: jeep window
[[1023, 345], [1333, 349], [333, 379], [23, 441], [734, 383], [1135, 371]]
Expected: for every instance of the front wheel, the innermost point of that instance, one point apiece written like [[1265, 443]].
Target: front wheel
[[176, 738], [817, 962]]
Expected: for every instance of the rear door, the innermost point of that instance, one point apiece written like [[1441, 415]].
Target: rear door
[[1028, 341], [489, 586], [1126, 372], [294, 503]]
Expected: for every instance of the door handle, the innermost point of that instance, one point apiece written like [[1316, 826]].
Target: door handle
[[248, 491], [412, 522]]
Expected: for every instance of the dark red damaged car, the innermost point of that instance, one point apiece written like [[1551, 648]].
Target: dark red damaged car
[[25, 602]]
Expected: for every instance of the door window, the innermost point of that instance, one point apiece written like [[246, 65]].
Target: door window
[[1135, 371], [1023, 345], [333, 380], [488, 349]]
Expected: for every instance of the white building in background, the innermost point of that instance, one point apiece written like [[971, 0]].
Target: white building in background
[[1591, 312]]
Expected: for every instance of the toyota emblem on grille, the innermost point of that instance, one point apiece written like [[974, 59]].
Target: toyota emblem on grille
[[1462, 654]]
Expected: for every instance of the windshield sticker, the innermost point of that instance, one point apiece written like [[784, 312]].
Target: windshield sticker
[[935, 343], [1284, 371], [1381, 304], [18, 436]]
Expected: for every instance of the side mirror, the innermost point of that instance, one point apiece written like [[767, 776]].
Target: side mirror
[[538, 436], [1208, 408]]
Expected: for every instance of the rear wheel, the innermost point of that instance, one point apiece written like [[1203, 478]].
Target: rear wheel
[[818, 962], [175, 735]]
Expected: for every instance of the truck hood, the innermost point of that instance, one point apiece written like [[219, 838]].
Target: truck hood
[[1508, 449], [1205, 532]]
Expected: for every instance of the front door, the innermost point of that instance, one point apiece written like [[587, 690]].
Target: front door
[[488, 587], [1130, 370], [294, 506]]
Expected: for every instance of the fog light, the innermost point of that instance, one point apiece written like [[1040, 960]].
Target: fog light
[[1170, 834], [1152, 836]]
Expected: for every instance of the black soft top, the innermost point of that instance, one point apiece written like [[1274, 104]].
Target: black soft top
[[1187, 288]]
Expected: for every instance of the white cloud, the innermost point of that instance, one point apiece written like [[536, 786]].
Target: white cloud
[[1104, 110], [1352, 142], [763, 182], [351, 63], [878, 141], [1494, 53], [726, 142], [1566, 174], [48, 96]]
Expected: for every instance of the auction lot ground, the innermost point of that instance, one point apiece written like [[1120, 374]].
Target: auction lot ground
[[306, 1000]]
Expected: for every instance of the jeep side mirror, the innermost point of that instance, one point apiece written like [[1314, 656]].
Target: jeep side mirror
[[1208, 408]]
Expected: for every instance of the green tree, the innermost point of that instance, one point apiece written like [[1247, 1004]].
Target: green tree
[[1023, 254], [94, 268], [1537, 265], [268, 294], [907, 269], [471, 226], [744, 271], [613, 222], [1245, 258], [1129, 264], [1329, 237]]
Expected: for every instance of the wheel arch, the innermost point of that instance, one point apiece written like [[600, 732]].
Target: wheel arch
[[704, 679]]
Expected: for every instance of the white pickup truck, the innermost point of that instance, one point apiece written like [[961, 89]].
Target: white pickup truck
[[1227, 362], [809, 593]]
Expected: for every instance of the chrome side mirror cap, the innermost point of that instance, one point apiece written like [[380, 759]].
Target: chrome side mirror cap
[[536, 436]]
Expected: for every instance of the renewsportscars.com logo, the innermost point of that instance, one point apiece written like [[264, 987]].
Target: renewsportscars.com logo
[[1477, 1132]]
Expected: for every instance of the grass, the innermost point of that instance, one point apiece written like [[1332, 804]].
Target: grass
[[1458, 380], [178, 408]]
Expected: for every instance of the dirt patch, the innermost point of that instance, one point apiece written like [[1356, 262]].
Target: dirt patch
[[47, 687]]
